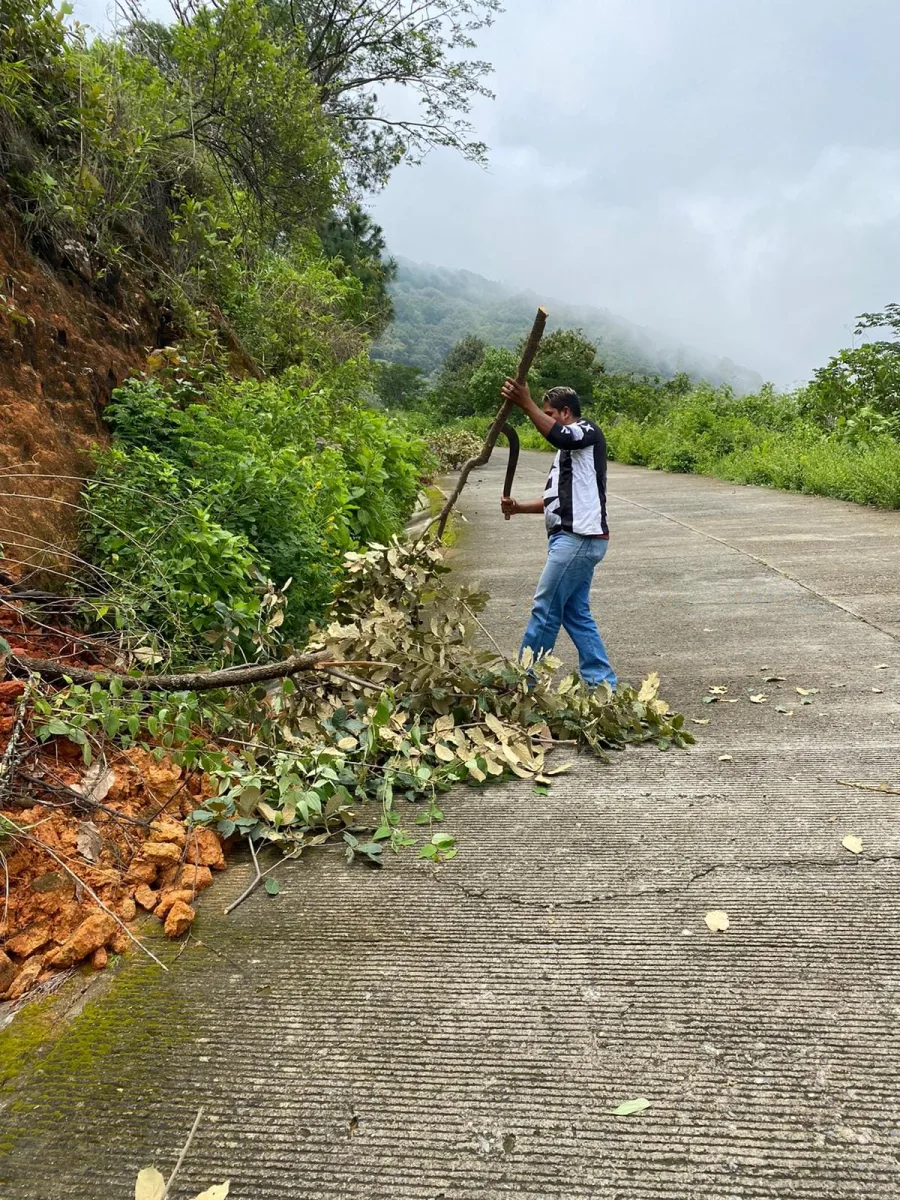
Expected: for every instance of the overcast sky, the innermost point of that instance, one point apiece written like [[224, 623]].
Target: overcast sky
[[724, 171]]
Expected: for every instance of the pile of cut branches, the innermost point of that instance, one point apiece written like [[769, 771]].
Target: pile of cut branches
[[394, 701]]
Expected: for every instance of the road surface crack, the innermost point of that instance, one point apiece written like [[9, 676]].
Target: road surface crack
[[781, 864]]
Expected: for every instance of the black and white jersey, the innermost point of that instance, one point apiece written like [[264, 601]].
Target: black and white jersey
[[575, 495]]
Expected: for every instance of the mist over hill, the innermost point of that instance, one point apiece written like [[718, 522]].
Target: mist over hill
[[435, 306]]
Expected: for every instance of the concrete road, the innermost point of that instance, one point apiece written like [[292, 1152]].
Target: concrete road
[[464, 1037]]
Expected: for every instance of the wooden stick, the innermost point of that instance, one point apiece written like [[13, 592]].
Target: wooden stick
[[193, 681], [183, 1155], [530, 350]]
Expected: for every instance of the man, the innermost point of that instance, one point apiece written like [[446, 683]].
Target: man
[[574, 508]]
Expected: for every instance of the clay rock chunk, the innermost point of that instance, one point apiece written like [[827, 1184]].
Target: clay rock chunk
[[141, 872], [162, 854], [29, 939], [93, 932], [170, 897], [204, 849], [179, 920], [146, 897], [8, 971], [165, 830], [127, 909], [26, 978], [99, 959], [195, 879]]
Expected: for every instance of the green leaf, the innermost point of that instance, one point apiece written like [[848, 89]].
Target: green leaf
[[226, 828], [272, 886], [630, 1107]]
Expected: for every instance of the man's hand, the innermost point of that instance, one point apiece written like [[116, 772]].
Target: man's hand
[[518, 393], [508, 506]]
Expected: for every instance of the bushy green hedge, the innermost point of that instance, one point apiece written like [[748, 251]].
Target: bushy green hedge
[[761, 440], [240, 479]]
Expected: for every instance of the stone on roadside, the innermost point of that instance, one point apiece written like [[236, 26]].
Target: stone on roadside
[[8, 971], [99, 958], [25, 979], [179, 920], [195, 879], [163, 854], [170, 897], [127, 909], [146, 897], [93, 932], [118, 943], [29, 940], [204, 849]]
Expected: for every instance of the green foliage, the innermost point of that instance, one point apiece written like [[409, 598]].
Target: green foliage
[[441, 712], [294, 309], [399, 386], [356, 244], [249, 478], [761, 440], [175, 573], [567, 358], [858, 392]]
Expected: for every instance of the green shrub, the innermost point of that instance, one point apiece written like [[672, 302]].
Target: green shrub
[[296, 474], [172, 571]]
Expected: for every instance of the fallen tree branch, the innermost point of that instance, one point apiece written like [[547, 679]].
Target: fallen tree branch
[[191, 681], [530, 350]]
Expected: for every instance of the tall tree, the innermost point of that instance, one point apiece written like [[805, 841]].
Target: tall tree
[[358, 50], [358, 242]]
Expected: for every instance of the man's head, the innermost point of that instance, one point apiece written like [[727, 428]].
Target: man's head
[[562, 403]]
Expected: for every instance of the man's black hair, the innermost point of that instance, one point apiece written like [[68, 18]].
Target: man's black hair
[[563, 397]]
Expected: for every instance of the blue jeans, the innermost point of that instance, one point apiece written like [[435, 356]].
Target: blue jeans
[[563, 598]]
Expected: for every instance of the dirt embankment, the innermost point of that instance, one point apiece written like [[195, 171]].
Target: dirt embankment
[[67, 339]]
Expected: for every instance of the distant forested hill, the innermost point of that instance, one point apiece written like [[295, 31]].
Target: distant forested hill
[[434, 307]]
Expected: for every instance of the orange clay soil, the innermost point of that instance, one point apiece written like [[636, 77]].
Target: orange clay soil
[[135, 852]]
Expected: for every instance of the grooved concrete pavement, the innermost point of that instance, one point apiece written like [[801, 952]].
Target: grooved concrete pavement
[[463, 1036]]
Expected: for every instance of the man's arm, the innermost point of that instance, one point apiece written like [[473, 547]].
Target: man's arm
[[512, 508], [519, 394]]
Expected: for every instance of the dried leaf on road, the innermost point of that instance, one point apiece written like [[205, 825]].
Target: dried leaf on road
[[630, 1107], [718, 691], [717, 921], [150, 1185], [218, 1192], [807, 691], [700, 720], [788, 712], [881, 667], [725, 758], [852, 843], [774, 679], [761, 698]]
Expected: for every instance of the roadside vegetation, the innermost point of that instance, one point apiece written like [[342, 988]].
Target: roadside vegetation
[[837, 436]]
